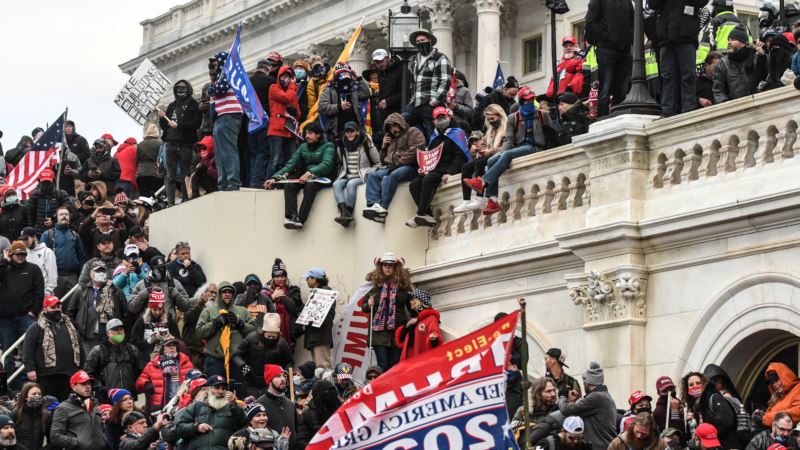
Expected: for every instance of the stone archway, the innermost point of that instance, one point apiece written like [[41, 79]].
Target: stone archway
[[749, 322]]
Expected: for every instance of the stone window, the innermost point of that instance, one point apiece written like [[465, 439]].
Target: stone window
[[578, 28], [532, 54]]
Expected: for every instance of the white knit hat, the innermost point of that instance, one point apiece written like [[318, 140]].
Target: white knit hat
[[272, 323]]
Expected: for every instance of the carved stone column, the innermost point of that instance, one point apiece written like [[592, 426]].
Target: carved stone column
[[488, 40], [441, 13], [362, 53]]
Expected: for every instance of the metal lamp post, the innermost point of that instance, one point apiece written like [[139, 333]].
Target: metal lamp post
[[401, 25], [556, 7], [638, 100]]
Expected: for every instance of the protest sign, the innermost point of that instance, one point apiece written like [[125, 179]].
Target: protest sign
[[317, 306], [428, 159], [142, 92]]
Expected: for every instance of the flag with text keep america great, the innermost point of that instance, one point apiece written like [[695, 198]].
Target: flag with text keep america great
[[451, 397]]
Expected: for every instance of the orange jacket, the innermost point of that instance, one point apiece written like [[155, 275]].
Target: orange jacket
[[790, 402], [280, 100]]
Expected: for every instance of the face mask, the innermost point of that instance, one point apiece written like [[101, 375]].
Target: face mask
[[157, 274], [425, 48], [181, 92], [300, 73], [99, 277], [36, 400], [780, 439], [494, 123], [512, 375], [11, 200], [284, 82], [644, 410], [53, 316], [442, 124], [117, 338], [46, 187], [296, 379], [527, 109], [695, 391]]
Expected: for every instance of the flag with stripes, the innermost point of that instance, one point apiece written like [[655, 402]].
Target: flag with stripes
[[25, 176]]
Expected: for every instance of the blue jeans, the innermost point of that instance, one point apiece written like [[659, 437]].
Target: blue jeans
[[498, 163], [382, 183], [344, 190], [259, 159], [226, 151], [280, 150], [11, 328]]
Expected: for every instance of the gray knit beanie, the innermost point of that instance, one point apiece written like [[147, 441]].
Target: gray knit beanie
[[593, 374]]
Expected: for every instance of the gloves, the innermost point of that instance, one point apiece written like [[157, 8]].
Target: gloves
[[246, 369], [234, 320], [221, 321], [149, 389]]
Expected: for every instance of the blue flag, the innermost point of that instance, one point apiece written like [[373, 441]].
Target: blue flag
[[499, 78], [240, 83]]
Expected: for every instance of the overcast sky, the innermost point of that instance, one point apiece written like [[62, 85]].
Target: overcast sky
[[58, 54]]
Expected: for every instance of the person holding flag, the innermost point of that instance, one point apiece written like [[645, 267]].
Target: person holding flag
[[448, 151], [223, 326]]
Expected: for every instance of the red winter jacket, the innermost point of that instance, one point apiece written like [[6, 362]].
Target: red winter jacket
[[279, 100], [207, 155], [126, 155], [570, 77], [420, 341], [152, 373]]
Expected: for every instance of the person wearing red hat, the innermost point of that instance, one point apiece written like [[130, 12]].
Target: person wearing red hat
[[448, 152], [569, 72], [101, 167], [51, 350], [667, 396], [705, 437], [110, 140], [524, 136], [640, 403], [280, 410], [151, 330], [77, 422]]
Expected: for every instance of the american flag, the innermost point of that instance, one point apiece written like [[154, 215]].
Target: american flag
[[25, 176]]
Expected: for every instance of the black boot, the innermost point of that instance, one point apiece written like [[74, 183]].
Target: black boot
[[342, 220], [348, 214]]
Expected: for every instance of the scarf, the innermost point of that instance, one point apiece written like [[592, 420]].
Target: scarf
[[49, 342], [386, 316], [286, 319], [353, 145], [105, 306], [171, 372], [528, 113]]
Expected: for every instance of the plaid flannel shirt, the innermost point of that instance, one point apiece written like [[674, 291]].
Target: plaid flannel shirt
[[432, 80]]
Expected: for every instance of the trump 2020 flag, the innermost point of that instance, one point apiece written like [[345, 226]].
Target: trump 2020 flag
[[240, 83], [499, 78], [451, 397]]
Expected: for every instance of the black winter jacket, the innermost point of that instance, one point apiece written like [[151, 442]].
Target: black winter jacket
[[21, 289], [33, 353], [32, 428], [131, 442], [76, 429], [735, 75], [191, 278], [12, 221], [109, 172], [390, 83], [114, 366], [609, 23], [255, 352], [81, 310], [282, 413], [673, 25], [78, 145], [43, 205], [261, 83], [318, 337], [186, 113]]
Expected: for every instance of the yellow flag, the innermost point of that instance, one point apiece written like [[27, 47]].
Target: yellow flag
[[313, 112], [225, 343]]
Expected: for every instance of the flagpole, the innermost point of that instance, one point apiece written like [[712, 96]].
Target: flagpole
[[526, 385], [61, 150]]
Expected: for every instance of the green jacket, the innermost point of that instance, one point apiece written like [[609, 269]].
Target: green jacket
[[321, 161], [225, 421], [208, 331]]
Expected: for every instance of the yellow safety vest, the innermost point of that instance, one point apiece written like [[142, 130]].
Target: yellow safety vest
[[590, 62], [650, 64]]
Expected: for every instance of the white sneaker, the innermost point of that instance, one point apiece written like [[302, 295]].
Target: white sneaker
[[412, 223], [462, 208], [477, 203], [379, 209]]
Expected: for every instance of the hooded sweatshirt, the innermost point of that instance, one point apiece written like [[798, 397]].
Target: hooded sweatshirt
[[401, 151], [186, 112], [790, 402], [206, 328], [280, 100], [126, 155], [205, 148], [45, 258]]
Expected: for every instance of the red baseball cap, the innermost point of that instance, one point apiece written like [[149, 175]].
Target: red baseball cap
[[526, 93], [638, 396], [441, 111], [776, 446], [707, 434], [46, 175], [570, 39], [50, 300], [109, 136], [664, 383], [79, 377]]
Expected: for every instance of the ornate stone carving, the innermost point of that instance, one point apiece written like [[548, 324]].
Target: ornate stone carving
[[488, 5], [508, 19], [383, 25], [611, 297], [441, 13]]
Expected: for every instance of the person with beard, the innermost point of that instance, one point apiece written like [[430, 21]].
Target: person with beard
[[569, 438], [94, 305], [21, 294], [359, 158], [175, 296], [139, 436], [163, 374], [314, 159], [724, 385], [31, 417], [51, 350], [340, 100], [185, 270], [255, 300], [784, 388], [154, 328], [398, 163], [43, 257], [524, 136], [101, 166], [114, 362], [639, 403], [77, 424], [554, 364], [223, 326], [569, 72], [68, 249], [44, 201], [641, 434], [77, 144], [430, 81], [280, 410], [105, 254], [706, 438], [324, 402], [282, 102], [258, 423], [735, 75], [544, 415], [12, 213], [342, 379], [208, 425], [194, 345], [707, 406], [779, 433], [179, 124], [421, 333], [490, 143], [260, 347], [596, 409], [390, 76], [502, 97], [389, 301], [451, 144], [8, 434], [288, 302]]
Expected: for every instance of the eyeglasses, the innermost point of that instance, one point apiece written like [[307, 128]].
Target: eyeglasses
[[181, 244]]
